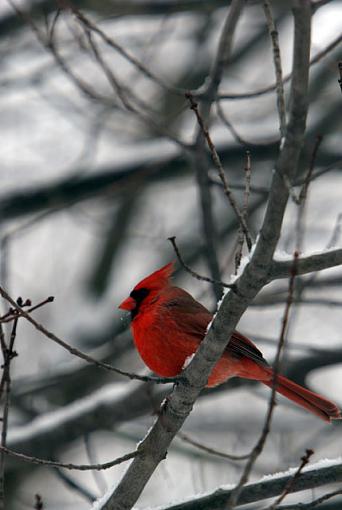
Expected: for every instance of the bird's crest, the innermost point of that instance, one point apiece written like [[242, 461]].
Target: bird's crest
[[158, 279]]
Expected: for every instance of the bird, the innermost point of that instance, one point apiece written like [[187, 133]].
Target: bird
[[168, 324]]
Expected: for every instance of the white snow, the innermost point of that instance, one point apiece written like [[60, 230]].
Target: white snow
[[323, 463], [188, 359], [98, 504], [283, 256]]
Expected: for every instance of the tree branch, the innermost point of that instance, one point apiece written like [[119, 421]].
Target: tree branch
[[178, 406], [277, 66], [199, 159], [310, 478], [265, 90], [282, 268], [77, 352]]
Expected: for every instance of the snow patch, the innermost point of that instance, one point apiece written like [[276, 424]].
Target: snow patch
[[323, 463], [99, 503], [283, 256], [189, 359]]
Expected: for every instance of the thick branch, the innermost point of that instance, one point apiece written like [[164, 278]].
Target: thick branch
[[253, 492], [305, 265]]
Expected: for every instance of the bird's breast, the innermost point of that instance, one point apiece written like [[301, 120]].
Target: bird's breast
[[161, 345]]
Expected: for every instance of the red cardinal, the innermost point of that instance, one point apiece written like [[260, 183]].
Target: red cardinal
[[168, 325]]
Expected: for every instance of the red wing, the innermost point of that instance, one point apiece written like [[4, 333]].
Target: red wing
[[241, 346], [193, 318]]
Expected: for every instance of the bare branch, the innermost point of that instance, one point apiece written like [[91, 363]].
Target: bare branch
[[302, 198], [305, 459], [193, 273], [75, 485], [124, 53], [277, 66], [217, 162], [8, 354], [208, 449], [310, 478], [247, 191], [258, 448], [199, 159], [14, 314], [314, 504], [237, 137], [265, 90], [77, 352], [69, 466], [308, 177], [282, 268]]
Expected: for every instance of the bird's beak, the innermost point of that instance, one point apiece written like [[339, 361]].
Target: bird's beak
[[128, 304]]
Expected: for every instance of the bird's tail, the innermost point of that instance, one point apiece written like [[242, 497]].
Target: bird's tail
[[320, 406]]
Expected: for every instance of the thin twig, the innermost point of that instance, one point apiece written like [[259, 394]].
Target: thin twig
[[124, 53], [2, 460], [67, 465], [98, 476], [49, 44], [288, 487], [302, 198], [234, 496], [83, 355], [208, 449], [277, 66], [315, 503], [8, 354], [79, 488], [4, 259], [14, 314], [124, 92], [237, 137], [217, 162], [265, 90], [192, 272], [200, 160], [335, 166], [308, 177], [52, 28], [247, 192], [258, 190]]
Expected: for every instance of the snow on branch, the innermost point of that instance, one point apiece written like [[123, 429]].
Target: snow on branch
[[309, 264], [316, 475]]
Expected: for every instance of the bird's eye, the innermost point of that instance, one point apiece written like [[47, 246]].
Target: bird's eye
[[139, 295]]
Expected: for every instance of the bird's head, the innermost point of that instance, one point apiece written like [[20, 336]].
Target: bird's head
[[147, 289]]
